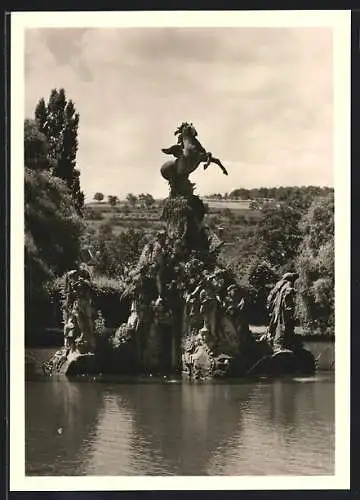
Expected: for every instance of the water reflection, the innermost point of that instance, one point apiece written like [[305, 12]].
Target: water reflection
[[59, 415], [288, 429], [179, 426], [279, 427]]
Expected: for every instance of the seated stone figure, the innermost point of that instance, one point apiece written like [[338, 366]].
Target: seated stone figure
[[281, 308]]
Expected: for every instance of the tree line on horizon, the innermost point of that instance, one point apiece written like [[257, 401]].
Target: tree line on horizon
[[144, 199], [278, 193], [297, 233], [288, 194]]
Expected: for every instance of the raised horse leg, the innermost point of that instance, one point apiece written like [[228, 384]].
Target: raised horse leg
[[212, 159]]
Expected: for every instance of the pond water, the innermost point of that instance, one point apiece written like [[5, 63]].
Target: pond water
[[165, 427]]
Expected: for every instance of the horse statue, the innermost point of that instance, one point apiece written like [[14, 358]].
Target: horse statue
[[189, 153]]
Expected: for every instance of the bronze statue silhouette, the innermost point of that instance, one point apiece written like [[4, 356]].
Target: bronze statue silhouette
[[189, 153]]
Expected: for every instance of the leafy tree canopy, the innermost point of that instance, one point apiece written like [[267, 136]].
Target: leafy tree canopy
[[52, 225], [98, 197], [315, 264]]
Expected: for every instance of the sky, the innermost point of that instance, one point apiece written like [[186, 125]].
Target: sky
[[261, 100]]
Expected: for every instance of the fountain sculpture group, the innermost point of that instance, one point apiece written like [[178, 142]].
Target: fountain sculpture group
[[188, 315]]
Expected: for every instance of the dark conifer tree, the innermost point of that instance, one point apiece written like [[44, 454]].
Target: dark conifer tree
[[59, 122]]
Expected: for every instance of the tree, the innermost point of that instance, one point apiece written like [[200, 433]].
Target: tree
[[141, 199], [52, 227], [243, 194], [299, 197], [278, 234], [315, 265], [35, 147], [132, 199], [117, 252], [98, 197], [148, 200], [261, 278], [59, 122], [113, 200], [261, 275]]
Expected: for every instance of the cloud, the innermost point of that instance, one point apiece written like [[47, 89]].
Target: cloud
[[261, 99]]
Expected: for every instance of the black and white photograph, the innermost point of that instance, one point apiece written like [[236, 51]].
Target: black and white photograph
[[179, 220]]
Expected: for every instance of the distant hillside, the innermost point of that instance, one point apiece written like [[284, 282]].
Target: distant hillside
[[234, 216], [232, 204], [122, 215]]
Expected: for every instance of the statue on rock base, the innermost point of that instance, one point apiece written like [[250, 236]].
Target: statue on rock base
[[281, 308], [188, 315], [285, 352], [78, 311], [77, 354]]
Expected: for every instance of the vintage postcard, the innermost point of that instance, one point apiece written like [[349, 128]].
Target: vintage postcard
[[180, 233]]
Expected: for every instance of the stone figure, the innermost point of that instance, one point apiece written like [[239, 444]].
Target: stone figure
[[178, 250], [71, 278], [281, 308], [208, 307], [235, 308], [201, 359], [218, 282], [189, 153], [78, 311], [215, 243], [205, 300], [92, 259], [146, 256], [192, 306], [134, 318]]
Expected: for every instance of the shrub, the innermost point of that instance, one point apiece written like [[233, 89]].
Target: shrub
[[261, 278], [107, 299], [315, 264]]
